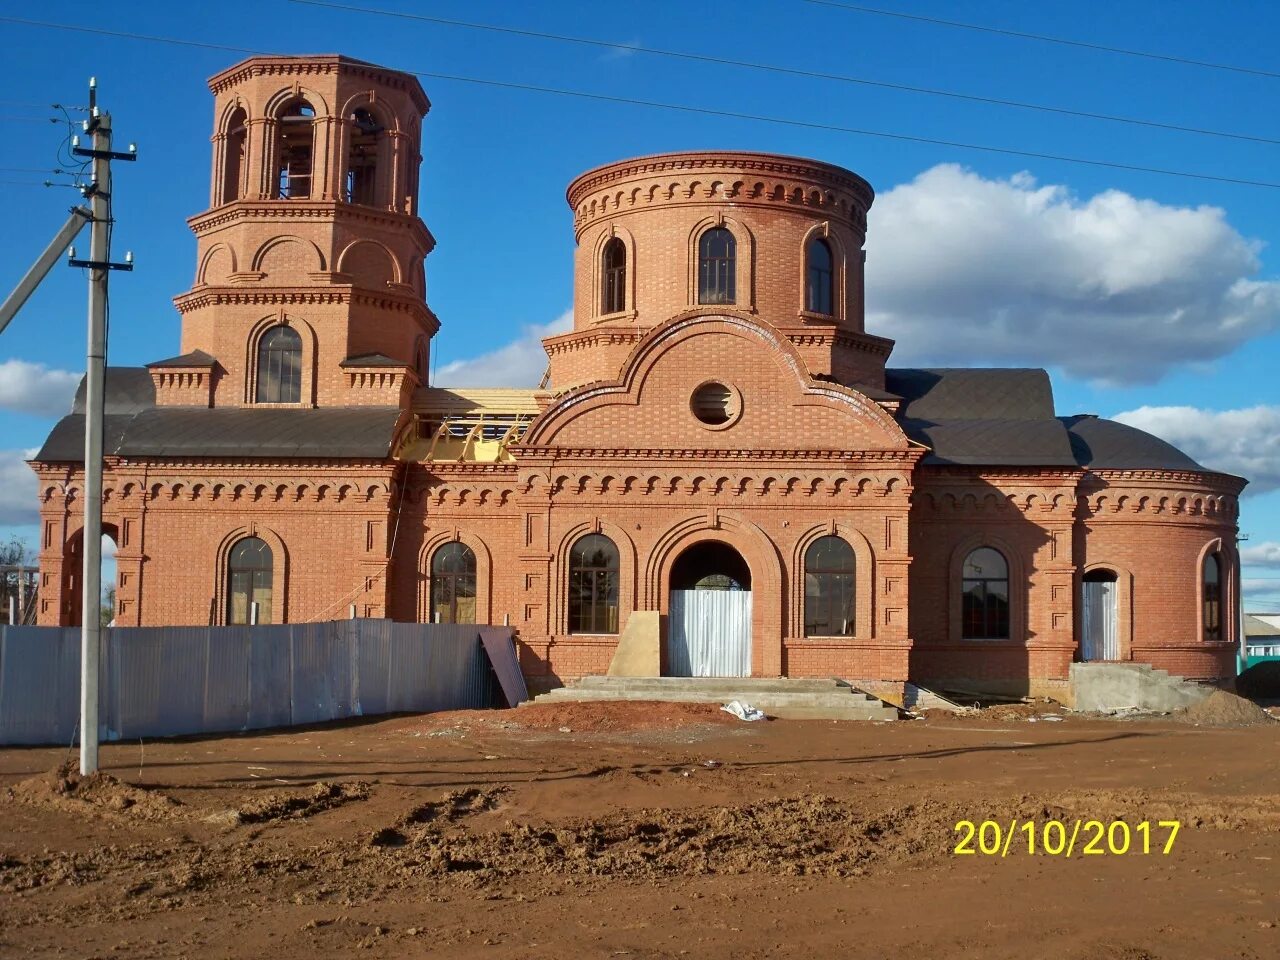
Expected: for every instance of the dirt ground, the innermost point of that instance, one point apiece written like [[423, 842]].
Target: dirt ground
[[644, 831]]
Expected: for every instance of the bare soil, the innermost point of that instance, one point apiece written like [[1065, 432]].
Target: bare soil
[[645, 831]]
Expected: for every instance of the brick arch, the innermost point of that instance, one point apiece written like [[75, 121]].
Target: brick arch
[[310, 347], [484, 572], [1019, 588], [744, 261], [285, 95], [1227, 588], [280, 250], [211, 269], [608, 232], [279, 571], [864, 578], [579, 401], [370, 263], [1124, 604], [761, 556], [628, 598], [839, 271]]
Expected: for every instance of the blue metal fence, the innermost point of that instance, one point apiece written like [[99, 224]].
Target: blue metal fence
[[170, 681]]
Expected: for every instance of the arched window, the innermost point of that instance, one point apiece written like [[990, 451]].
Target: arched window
[[613, 274], [1211, 591], [818, 294], [985, 608], [717, 266], [453, 584], [295, 134], [280, 366], [828, 588], [593, 585], [233, 161], [249, 582], [367, 134]]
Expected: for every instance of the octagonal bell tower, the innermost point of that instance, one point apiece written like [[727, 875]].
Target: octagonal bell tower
[[309, 288]]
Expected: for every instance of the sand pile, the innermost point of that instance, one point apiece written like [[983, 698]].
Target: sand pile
[[64, 787], [1223, 709]]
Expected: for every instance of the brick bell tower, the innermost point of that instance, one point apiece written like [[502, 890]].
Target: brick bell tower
[[309, 287]]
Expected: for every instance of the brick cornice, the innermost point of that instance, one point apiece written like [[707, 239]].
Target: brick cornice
[[718, 178], [1217, 482], [276, 211], [537, 454], [318, 65]]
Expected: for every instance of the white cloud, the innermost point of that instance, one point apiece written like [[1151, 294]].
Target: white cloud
[[519, 363], [1260, 596], [1243, 442], [34, 388], [1116, 289], [17, 488], [1261, 555]]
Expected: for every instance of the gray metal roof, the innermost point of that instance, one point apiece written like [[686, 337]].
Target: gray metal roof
[[240, 432], [127, 390], [1107, 444], [993, 443], [972, 393], [196, 358]]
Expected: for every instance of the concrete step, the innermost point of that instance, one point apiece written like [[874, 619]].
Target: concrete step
[[786, 699], [713, 686], [1110, 687]]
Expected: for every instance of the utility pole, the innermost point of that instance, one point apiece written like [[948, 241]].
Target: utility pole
[[99, 265]]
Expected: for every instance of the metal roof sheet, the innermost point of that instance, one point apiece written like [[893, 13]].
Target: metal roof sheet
[[1107, 444], [991, 393], [354, 433], [1030, 443]]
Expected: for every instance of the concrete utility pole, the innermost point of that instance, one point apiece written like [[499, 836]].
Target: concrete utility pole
[[99, 265]]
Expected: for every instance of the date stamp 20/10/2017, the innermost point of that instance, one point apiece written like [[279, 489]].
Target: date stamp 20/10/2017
[[1059, 838]]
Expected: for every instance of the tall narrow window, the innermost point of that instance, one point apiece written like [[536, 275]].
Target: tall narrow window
[[362, 159], [295, 147], [818, 296], [717, 266], [280, 366], [593, 585], [1211, 588], [233, 161], [613, 272], [249, 582], [828, 588], [985, 604], [453, 584]]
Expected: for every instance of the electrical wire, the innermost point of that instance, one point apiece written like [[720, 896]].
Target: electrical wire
[[703, 111], [960, 25], [789, 71]]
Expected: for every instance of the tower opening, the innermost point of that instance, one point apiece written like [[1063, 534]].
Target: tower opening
[[295, 146], [233, 163], [367, 137]]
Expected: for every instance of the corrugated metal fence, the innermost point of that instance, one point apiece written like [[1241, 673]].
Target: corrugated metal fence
[[169, 681]]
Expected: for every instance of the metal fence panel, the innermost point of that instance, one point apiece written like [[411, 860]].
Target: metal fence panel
[[169, 681], [39, 684], [270, 674]]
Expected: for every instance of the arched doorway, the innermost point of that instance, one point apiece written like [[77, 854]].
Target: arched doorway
[[1099, 634], [709, 623], [72, 578]]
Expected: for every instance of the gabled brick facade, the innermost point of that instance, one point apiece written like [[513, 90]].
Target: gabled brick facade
[[717, 405]]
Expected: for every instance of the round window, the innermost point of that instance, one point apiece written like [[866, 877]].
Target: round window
[[715, 404]]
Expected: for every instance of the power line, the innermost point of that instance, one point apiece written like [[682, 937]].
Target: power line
[[789, 71], [700, 111], [1147, 54]]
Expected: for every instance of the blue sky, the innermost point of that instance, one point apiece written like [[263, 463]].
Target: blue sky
[[1151, 296]]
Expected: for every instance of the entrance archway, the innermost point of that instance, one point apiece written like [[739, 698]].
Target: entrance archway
[[1099, 634], [72, 572], [709, 622]]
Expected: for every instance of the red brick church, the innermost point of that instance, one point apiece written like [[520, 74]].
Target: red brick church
[[718, 440]]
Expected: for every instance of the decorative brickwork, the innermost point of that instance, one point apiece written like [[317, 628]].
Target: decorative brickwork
[[668, 425]]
